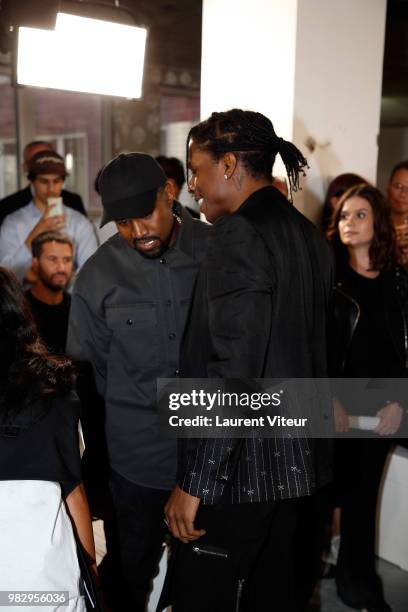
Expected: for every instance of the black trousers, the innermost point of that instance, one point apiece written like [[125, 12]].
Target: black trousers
[[139, 515], [257, 572], [359, 464]]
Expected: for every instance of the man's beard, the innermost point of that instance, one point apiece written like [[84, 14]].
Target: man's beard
[[47, 282]]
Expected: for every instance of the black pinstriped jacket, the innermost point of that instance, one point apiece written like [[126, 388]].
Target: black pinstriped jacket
[[259, 311]]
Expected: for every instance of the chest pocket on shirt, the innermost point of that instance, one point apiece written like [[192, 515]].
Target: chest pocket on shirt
[[134, 344]]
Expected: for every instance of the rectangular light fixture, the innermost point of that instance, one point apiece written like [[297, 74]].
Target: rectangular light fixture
[[83, 54]]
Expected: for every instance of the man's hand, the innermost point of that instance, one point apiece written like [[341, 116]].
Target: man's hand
[[390, 419], [180, 511]]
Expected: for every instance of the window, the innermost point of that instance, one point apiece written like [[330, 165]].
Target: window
[[178, 114], [72, 122], [8, 149]]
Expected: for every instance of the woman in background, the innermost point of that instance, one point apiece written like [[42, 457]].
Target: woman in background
[[339, 185], [42, 500], [367, 340]]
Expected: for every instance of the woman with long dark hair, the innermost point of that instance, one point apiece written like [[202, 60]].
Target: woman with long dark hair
[[337, 186], [367, 340], [42, 501]]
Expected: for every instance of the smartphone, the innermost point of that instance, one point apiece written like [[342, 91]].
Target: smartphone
[[56, 207]]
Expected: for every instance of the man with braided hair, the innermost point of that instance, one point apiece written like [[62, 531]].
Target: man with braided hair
[[258, 312]]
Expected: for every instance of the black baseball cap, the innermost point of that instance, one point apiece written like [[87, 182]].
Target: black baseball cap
[[128, 186]]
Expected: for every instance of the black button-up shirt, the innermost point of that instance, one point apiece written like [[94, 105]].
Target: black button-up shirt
[[127, 318]]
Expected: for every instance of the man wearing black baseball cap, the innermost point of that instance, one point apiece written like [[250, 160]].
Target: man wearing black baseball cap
[[128, 312]]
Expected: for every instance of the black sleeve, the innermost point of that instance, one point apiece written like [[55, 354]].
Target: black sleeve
[[43, 443], [66, 418], [13, 202]]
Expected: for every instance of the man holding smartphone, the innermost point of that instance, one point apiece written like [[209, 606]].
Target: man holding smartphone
[[22, 197], [46, 173]]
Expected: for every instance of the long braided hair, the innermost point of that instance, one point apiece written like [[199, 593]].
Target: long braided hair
[[252, 139]]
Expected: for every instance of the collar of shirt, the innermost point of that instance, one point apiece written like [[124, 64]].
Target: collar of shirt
[[185, 238]]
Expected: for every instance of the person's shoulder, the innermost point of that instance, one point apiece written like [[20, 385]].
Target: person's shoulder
[[200, 228], [269, 204], [99, 262], [197, 223], [273, 217], [233, 237], [234, 226], [200, 232], [304, 225], [20, 197], [70, 196], [312, 231], [17, 216]]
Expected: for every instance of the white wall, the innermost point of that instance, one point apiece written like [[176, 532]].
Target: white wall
[[339, 60], [248, 58], [392, 507], [313, 66]]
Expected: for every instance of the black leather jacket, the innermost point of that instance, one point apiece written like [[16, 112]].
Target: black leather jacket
[[345, 313]]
